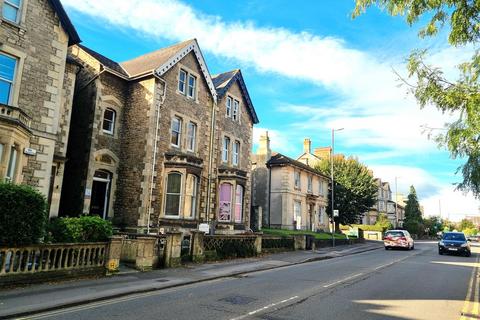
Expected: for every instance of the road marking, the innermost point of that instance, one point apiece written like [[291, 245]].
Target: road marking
[[472, 294], [342, 280], [271, 305]]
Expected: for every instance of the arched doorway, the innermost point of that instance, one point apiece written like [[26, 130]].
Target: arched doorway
[[100, 199]]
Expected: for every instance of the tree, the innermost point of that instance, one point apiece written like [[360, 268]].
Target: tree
[[465, 224], [462, 96], [355, 190], [413, 215], [383, 222], [433, 225]]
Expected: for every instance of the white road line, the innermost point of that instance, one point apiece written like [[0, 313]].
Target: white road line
[[342, 280], [251, 313]]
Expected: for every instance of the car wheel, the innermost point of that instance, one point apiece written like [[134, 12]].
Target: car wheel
[[440, 252], [413, 247], [386, 248], [468, 254]]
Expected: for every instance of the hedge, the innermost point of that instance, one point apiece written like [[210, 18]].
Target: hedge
[[364, 227], [23, 215], [82, 229]]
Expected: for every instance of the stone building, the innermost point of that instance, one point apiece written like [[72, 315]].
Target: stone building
[[148, 141], [312, 159], [297, 194], [384, 206], [36, 89]]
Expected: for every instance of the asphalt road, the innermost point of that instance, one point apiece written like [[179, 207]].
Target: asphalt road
[[418, 284]]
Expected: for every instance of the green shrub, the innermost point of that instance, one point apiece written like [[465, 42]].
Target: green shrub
[[23, 215], [83, 229], [366, 227]]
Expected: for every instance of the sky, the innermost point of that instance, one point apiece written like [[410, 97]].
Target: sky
[[309, 67]]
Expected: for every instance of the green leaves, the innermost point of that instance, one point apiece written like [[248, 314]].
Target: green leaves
[[460, 98], [355, 190]]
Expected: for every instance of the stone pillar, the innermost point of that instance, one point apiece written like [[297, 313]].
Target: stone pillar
[[258, 243], [113, 254], [173, 250], [198, 249], [300, 241], [145, 253]]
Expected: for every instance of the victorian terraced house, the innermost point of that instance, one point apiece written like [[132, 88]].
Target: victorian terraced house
[[158, 143], [36, 89]]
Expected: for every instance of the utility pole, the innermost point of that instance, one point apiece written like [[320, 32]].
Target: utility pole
[[333, 184]]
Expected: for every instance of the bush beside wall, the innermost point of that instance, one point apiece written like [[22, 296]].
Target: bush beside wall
[[23, 215], [82, 229]]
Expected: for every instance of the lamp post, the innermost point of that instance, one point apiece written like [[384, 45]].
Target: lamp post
[[396, 200], [333, 184]]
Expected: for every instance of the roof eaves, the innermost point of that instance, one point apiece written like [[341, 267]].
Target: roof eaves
[[73, 37]]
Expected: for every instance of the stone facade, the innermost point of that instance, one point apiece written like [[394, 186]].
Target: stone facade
[[148, 136], [36, 109], [297, 195]]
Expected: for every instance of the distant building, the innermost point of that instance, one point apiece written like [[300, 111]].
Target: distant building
[[312, 159], [292, 194]]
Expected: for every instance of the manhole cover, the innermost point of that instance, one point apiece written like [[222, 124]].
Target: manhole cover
[[238, 300]]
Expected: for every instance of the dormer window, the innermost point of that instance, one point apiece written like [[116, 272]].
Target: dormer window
[[192, 83], [235, 114], [182, 81], [228, 113]]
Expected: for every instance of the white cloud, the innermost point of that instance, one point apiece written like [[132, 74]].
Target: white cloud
[[371, 106]]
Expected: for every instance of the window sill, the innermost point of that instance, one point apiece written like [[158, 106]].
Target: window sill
[[108, 133], [19, 26]]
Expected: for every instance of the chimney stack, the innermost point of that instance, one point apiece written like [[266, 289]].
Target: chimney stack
[[264, 146], [307, 145]]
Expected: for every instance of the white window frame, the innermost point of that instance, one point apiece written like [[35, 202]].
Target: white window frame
[[236, 110], [179, 132], [193, 87], [236, 153], [191, 136], [191, 197], [112, 121], [180, 196], [228, 112], [225, 149], [18, 8], [297, 179], [12, 164], [309, 183], [184, 82], [11, 82]]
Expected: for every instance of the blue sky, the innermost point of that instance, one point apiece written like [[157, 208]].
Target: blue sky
[[309, 67]]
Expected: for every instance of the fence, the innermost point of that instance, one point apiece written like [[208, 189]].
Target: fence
[[52, 259], [276, 243], [230, 246], [143, 251]]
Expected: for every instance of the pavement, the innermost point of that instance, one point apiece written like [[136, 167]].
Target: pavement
[[34, 299], [376, 285]]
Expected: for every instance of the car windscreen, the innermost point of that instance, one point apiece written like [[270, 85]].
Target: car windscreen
[[394, 234], [454, 236]]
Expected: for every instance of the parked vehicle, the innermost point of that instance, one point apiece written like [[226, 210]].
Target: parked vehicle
[[454, 242], [475, 238], [398, 239]]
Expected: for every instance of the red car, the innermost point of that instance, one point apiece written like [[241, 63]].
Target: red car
[[398, 239]]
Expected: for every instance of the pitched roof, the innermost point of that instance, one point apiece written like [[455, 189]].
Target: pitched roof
[[106, 62], [73, 37], [151, 61], [279, 159], [225, 80]]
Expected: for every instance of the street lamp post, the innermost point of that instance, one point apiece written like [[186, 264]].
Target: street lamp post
[[396, 200], [333, 184]]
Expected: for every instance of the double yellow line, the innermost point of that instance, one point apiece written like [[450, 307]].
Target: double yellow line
[[471, 305]]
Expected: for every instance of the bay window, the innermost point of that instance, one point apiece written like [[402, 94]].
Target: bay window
[[191, 191], [8, 65], [173, 194], [225, 206], [239, 204]]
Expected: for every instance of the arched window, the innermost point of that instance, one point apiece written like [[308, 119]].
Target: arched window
[[225, 210], [109, 116], [173, 194], [191, 192], [239, 204]]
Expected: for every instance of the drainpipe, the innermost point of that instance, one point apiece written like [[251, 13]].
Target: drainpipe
[[269, 194], [210, 162], [155, 149]]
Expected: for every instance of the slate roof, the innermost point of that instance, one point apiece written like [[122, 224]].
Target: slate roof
[[279, 159], [225, 80], [105, 61], [73, 37], [151, 61]]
